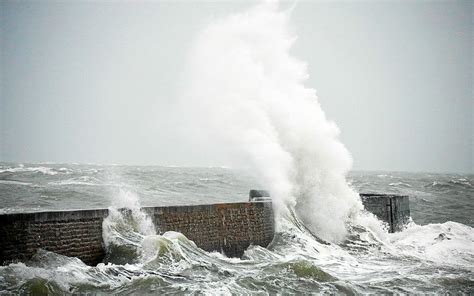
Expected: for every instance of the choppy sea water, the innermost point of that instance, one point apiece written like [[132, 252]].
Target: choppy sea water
[[434, 254]]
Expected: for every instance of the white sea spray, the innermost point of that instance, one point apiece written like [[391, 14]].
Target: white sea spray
[[247, 96], [117, 223]]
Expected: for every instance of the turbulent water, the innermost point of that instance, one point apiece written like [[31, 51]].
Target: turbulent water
[[245, 99], [434, 254]]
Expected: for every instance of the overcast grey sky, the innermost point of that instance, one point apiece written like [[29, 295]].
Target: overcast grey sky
[[95, 82]]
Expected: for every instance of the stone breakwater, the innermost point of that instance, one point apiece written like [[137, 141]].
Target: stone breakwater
[[390, 208], [229, 228]]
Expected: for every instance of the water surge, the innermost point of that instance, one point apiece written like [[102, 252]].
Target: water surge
[[246, 91]]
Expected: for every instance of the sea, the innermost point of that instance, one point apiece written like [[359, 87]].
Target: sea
[[433, 254]]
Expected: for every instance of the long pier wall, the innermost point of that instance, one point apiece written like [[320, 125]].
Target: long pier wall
[[228, 228]]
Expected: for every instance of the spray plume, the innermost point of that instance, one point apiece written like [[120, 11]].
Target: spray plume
[[247, 92]]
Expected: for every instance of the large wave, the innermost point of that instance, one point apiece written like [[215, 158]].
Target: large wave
[[247, 93]]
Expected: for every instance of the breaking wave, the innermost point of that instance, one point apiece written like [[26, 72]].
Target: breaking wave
[[247, 93]]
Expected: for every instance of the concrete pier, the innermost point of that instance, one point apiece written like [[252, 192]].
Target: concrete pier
[[229, 228], [390, 208]]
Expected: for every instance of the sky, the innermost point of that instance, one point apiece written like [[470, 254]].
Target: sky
[[96, 82]]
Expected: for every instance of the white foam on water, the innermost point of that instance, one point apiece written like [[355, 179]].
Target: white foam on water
[[115, 225], [448, 243], [11, 182], [247, 97], [21, 168]]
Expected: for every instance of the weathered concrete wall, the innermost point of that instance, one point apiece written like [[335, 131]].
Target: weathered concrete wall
[[390, 208], [230, 228], [71, 233]]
